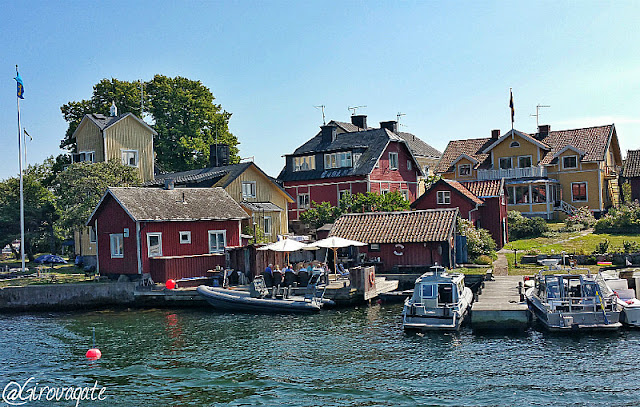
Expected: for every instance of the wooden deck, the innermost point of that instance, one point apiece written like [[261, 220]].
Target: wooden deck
[[499, 306]]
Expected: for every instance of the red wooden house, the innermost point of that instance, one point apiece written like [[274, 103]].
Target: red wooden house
[[168, 233], [409, 238], [353, 158], [482, 202]]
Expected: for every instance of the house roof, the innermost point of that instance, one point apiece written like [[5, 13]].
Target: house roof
[[525, 136], [348, 127], [182, 204], [261, 206], [632, 164], [104, 122], [432, 225], [485, 189], [470, 147], [464, 191]]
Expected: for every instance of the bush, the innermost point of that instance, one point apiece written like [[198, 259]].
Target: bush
[[629, 246], [483, 259], [582, 219], [623, 219], [521, 227], [602, 247], [479, 241]]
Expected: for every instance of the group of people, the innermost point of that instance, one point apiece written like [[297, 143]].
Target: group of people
[[289, 276]]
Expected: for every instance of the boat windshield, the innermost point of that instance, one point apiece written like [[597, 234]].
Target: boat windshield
[[553, 287], [447, 294], [588, 289]]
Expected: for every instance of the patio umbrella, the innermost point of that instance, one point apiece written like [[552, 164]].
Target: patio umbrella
[[334, 243], [286, 245]]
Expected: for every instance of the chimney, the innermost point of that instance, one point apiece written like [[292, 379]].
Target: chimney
[[169, 184], [113, 110], [218, 155], [391, 125], [359, 120], [495, 134], [329, 134], [544, 129]]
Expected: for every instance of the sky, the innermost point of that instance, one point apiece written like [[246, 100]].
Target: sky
[[446, 66]]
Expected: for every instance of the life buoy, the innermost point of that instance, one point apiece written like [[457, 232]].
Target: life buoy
[[372, 278], [399, 248]]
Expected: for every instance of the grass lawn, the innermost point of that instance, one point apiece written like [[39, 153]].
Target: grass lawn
[[60, 273]]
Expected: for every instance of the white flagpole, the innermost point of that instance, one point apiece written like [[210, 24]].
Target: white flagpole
[[21, 183]]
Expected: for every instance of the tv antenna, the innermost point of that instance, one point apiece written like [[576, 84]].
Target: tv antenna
[[537, 115], [398, 116], [324, 121], [354, 109]]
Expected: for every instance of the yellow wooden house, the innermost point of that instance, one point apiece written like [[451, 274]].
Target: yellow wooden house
[[260, 195], [549, 173]]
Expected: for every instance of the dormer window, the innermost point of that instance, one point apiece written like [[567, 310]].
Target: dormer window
[[514, 144], [570, 161], [304, 163], [337, 160], [464, 170]]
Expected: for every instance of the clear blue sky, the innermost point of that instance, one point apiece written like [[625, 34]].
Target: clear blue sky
[[447, 65]]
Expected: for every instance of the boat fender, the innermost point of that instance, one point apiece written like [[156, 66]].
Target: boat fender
[[372, 278]]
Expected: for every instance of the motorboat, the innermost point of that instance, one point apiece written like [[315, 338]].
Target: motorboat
[[261, 299], [440, 301], [626, 298], [564, 302]]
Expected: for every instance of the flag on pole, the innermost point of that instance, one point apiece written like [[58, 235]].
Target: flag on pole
[[20, 85], [513, 111]]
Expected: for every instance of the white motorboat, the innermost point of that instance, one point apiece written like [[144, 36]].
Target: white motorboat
[[626, 298], [440, 301], [564, 302]]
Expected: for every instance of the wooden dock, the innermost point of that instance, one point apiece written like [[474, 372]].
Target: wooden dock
[[499, 306]]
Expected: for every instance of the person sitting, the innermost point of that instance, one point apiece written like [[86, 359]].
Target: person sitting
[[267, 275], [277, 276], [289, 276]]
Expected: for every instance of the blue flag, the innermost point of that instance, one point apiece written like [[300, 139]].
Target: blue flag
[[20, 86]]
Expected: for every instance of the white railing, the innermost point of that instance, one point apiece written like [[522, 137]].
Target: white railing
[[510, 173], [567, 208]]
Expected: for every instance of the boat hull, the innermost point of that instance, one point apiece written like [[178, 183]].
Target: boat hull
[[236, 301], [438, 319]]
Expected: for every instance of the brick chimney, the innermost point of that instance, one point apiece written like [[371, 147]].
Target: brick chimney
[[495, 134], [544, 129], [359, 120], [391, 125], [329, 133]]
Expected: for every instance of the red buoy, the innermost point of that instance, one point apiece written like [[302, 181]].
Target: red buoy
[[171, 284], [94, 354]]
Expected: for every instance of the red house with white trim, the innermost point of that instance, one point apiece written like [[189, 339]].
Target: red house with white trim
[[168, 233], [350, 157]]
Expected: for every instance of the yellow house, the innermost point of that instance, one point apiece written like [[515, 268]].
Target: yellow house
[[260, 195], [548, 174], [115, 137]]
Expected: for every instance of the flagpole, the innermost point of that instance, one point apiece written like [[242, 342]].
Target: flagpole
[[511, 98], [21, 184]]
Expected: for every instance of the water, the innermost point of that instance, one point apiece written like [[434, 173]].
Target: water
[[355, 357]]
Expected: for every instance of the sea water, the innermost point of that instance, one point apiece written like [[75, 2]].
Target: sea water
[[347, 357]]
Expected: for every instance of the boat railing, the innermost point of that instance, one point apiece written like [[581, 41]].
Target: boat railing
[[580, 304]]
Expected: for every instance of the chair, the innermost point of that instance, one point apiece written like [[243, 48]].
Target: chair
[[303, 278], [277, 278], [268, 279], [289, 278]]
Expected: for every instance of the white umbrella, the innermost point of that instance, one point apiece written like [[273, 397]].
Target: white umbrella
[[285, 245], [334, 243]]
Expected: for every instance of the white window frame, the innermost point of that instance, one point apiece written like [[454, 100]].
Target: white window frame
[[393, 160], [514, 144], [151, 253], [461, 166], [409, 165], [586, 191], [569, 168], [444, 197], [343, 192], [224, 237], [505, 158], [356, 158], [425, 169], [186, 234], [530, 157], [304, 205], [251, 186], [343, 159], [405, 194], [116, 241], [125, 157], [93, 237], [83, 155], [304, 163], [384, 191], [268, 224]]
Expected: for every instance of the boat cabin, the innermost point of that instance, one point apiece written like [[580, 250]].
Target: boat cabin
[[572, 292], [439, 289]]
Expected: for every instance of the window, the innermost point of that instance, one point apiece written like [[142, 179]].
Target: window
[[249, 189], [428, 291], [267, 225], [464, 170], [374, 247], [185, 237], [522, 195], [578, 191], [217, 241], [425, 169], [393, 161], [524, 161], [130, 158], [505, 163], [514, 144], [570, 161], [356, 158], [405, 194], [305, 163], [337, 160], [93, 237], [344, 193], [408, 164], [538, 193], [88, 156], [117, 245], [444, 197], [154, 244], [384, 191], [303, 201]]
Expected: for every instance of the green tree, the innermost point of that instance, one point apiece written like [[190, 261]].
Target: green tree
[[80, 187], [40, 213]]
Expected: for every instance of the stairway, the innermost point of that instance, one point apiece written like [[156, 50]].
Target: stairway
[[613, 191], [566, 208]]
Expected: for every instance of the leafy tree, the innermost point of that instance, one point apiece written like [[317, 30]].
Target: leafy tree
[[183, 111], [40, 213], [521, 227], [81, 186], [479, 241], [430, 180], [258, 237]]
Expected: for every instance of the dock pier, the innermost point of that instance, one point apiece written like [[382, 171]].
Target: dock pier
[[499, 306]]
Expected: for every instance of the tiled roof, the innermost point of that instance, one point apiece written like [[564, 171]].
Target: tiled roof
[[155, 204], [485, 189], [202, 177], [632, 164], [433, 225], [348, 127], [261, 206], [103, 121], [464, 191], [418, 146], [470, 147]]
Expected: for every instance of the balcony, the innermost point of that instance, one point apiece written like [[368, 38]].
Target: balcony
[[513, 173]]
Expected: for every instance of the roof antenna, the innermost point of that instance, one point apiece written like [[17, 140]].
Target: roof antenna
[[354, 109], [398, 116], [324, 121], [537, 115]]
